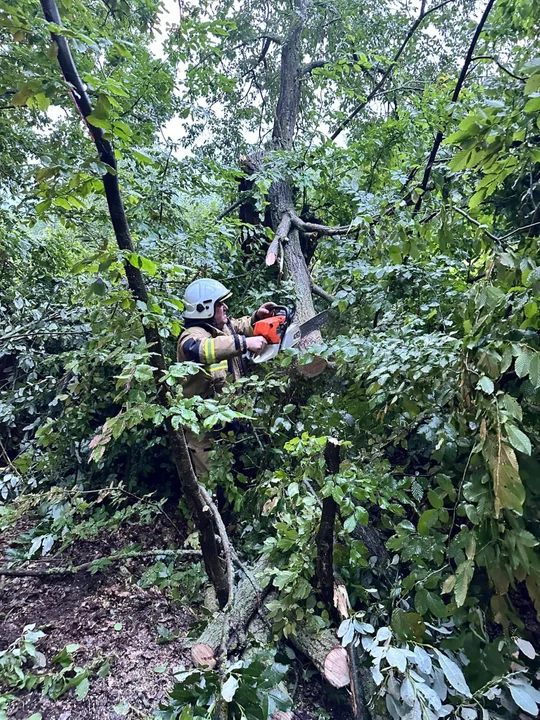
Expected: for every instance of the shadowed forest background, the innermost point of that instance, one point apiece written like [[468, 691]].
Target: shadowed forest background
[[365, 545]]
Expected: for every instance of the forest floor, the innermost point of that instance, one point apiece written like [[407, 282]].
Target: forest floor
[[110, 616]]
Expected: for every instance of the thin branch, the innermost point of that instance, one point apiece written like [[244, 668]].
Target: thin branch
[[318, 290], [307, 69], [423, 14], [457, 90], [229, 209], [321, 229], [501, 66], [500, 241], [51, 572], [225, 542]]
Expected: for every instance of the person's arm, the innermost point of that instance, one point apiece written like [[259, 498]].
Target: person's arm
[[244, 325], [199, 346]]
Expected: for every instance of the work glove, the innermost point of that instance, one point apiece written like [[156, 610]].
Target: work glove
[[265, 310]]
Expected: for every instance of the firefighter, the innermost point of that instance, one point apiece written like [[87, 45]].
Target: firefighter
[[217, 342]]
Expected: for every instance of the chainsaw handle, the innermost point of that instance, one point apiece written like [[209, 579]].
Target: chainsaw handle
[[283, 310]]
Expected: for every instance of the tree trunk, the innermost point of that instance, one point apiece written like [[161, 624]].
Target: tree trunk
[[280, 193], [177, 442], [325, 652], [322, 648], [325, 534], [247, 600]]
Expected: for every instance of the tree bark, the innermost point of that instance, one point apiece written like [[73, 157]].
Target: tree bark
[[280, 192], [325, 535], [247, 601], [177, 442], [325, 652]]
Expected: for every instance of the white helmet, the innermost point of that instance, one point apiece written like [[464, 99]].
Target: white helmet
[[201, 297]]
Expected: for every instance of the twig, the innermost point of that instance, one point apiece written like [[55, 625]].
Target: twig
[[423, 14], [150, 502], [245, 570], [502, 67], [318, 290], [88, 565], [226, 545], [455, 95], [8, 460], [499, 240]]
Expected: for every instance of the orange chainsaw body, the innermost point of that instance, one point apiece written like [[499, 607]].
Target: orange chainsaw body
[[271, 328]]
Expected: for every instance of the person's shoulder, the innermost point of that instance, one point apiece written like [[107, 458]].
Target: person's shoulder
[[195, 331]]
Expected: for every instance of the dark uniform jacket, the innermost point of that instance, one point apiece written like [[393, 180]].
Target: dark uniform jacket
[[218, 351]]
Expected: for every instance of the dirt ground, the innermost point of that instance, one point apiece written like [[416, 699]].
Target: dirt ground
[[108, 615]]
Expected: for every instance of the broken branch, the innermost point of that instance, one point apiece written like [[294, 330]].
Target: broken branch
[[321, 229], [318, 290], [281, 234], [51, 572]]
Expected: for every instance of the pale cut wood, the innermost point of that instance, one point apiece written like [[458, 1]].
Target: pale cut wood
[[310, 370], [203, 655], [325, 652], [336, 667]]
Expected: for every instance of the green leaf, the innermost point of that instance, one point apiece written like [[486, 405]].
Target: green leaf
[[81, 691], [533, 105], [436, 605], [526, 648], [143, 157], [408, 626], [523, 362], [98, 288], [349, 524], [98, 122], [454, 675], [534, 370], [464, 574], [142, 263], [448, 584], [427, 521], [512, 407], [523, 698], [533, 84], [518, 439], [486, 384], [435, 500]]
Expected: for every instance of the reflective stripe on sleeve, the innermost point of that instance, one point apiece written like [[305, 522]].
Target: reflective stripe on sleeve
[[216, 367], [210, 350]]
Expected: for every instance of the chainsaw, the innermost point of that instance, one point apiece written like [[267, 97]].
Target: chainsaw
[[281, 333]]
